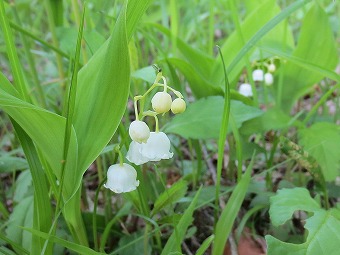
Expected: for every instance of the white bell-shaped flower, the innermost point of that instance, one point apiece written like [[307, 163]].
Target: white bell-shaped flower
[[156, 148], [161, 102], [245, 90], [121, 178], [271, 68], [258, 75], [268, 79], [134, 154], [139, 131], [178, 106]]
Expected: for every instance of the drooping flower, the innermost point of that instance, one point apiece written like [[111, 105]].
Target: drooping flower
[[161, 102], [271, 68], [134, 154], [245, 90], [178, 106], [139, 131], [156, 148], [121, 178], [268, 79], [258, 75]]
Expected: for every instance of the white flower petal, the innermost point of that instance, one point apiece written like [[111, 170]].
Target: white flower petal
[[271, 68], [161, 102], [245, 90], [178, 106], [121, 178], [139, 131], [258, 75], [157, 147], [268, 79], [134, 154]]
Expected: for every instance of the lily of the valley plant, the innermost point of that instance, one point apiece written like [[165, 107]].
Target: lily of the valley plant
[[145, 146]]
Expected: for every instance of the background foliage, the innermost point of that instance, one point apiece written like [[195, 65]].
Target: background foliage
[[69, 70]]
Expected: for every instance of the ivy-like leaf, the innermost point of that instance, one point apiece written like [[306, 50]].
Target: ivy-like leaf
[[202, 119], [323, 228]]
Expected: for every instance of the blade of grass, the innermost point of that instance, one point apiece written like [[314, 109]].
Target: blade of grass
[[38, 39], [229, 213], [52, 27], [174, 242], [264, 30], [13, 244], [321, 101], [42, 205], [31, 62], [12, 54], [67, 244], [234, 14], [205, 245], [303, 63], [222, 137], [238, 143], [70, 105]]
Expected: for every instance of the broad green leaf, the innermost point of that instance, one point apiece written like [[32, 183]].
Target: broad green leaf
[[230, 211], [317, 46], [49, 138], [205, 245], [174, 242], [200, 62], [10, 164], [147, 74], [199, 85], [272, 119], [323, 238], [252, 25], [202, 119], [23, 183], [322, 141], [67, 244], [22, 216], [323, 228], [287, 201], [169, 196], [100, 104], [103, 87]]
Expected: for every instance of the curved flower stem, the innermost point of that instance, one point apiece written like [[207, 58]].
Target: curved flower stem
[[135, 99], [121, 158], [164, 83], [152, 114]]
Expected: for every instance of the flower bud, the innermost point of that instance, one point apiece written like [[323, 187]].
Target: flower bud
[[268, 79], [245, 90], [271, 68], [178, 106], [258, 75], [121, 178], [161, 102], [139, 131]]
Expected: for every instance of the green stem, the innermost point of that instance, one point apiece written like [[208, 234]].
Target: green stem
[[319, 103], [222, 138], [55, 42], [31, 63]]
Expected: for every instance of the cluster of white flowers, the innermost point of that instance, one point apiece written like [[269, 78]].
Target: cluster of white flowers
[[258, 75], [146, 146]]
